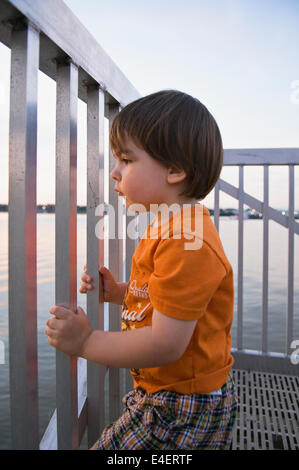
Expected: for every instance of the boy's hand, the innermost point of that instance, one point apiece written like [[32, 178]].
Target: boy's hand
[[86, 282], [112, 292], [68, 331]]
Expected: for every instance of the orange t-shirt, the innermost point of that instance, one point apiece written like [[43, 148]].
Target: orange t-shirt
[[179, 268]]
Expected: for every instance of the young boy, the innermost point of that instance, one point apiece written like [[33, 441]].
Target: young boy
[[177, 308]]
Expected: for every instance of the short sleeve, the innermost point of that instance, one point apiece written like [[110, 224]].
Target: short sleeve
[[184, 281]]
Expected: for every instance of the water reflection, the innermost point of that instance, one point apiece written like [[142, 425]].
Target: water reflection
[[252, 302]]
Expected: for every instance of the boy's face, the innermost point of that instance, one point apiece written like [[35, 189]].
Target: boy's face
[[141, 179]]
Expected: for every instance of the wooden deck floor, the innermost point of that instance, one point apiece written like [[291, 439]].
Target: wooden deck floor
[[268, 411]]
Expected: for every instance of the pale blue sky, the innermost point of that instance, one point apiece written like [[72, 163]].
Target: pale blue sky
[[239, 57]]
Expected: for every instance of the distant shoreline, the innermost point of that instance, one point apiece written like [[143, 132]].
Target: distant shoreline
[[50, 209], [229, 212]]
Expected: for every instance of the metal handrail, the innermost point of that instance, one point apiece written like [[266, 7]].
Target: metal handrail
[[262, 359], [62, 37], [45, 35]]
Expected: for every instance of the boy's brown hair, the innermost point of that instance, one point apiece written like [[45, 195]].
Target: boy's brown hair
[[177, 130]]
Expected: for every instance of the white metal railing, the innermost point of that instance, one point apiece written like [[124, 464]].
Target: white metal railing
[[45, 35], [263, 359]]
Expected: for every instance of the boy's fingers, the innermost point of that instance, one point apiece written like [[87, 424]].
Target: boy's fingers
[[60, 311], [86, 286], [80, 311], [51, 333], [106, 273], [52, 323], [86, 278]]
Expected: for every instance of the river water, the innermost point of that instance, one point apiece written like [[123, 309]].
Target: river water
[[252, 300]]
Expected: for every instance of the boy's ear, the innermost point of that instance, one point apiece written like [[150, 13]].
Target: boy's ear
[[175, 175]]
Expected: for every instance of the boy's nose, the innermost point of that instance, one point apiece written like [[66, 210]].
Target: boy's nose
[[114, 174]]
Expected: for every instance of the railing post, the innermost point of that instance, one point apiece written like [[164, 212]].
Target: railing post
[[130, 245], [216, 205], [115, 266], [22, 238], [95, 253], [240, 258], [290, 302], [66, 246], [265, 259]]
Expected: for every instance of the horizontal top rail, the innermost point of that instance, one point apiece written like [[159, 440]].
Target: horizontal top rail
[[263, 156], [62, 34]]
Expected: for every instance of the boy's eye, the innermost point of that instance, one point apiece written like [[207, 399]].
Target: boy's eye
[[125, 160]]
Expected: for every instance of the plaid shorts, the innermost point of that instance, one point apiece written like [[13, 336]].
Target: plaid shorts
[[167, 420]]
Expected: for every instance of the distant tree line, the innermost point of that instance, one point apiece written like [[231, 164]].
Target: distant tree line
[[248, 213], [50, 208], [45, 208]]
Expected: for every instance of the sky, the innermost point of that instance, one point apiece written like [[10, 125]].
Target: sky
[[239, 57]]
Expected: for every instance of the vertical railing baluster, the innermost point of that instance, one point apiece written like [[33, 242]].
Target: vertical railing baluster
[[265, 260], [22, 238], [66, 246], [290, 302], [216, 205], [115, 265], [129, 251], [240, 258], [95, 252]]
